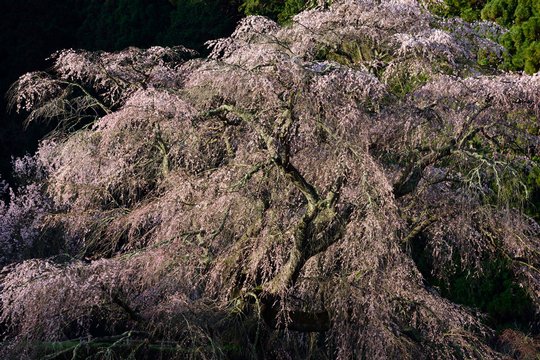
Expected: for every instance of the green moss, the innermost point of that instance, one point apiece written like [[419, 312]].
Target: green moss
[[518, 185]]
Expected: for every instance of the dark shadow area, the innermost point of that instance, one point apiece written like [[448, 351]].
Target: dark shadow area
[[494, 291], [31, 30]]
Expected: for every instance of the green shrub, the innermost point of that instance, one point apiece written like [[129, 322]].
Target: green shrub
[[521, 17], [280, 10], [467, 9]]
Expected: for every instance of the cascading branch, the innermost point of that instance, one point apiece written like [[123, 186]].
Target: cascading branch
[[264, 201]]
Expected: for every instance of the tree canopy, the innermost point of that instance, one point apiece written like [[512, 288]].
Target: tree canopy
[[327, 189]]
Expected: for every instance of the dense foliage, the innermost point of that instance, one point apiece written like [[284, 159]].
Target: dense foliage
[[280, 10], [523, 39], [470, 10], [521, 17], [331, 189]]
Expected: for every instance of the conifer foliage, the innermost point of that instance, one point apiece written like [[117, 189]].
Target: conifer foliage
[[520, 17], [265, 202]]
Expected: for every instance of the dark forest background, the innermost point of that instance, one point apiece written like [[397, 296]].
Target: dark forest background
[[33, 29]]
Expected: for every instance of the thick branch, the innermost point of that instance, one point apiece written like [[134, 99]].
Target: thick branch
[[293, 175], [321, 225], [410, 178], [288, 274], [280, 160], [420, 227]]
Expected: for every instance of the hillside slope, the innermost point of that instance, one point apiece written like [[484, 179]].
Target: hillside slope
[[303, 192]]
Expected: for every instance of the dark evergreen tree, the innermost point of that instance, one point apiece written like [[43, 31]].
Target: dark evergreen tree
[[280, 10], [192, 22], [523, 39]]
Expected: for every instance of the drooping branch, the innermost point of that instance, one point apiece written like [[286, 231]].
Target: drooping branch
[[278, 158], [411, 176], [99, 103], [298, 320]]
